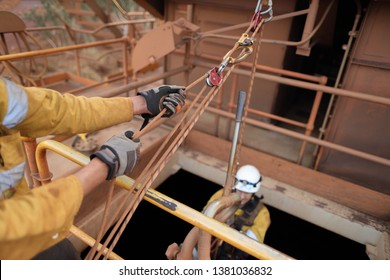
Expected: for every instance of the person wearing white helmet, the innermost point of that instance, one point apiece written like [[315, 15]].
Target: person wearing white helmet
[[252, 217]]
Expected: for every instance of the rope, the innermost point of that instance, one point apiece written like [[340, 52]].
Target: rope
[[151, 171], [229, 183], [123, 11], [103, 228], [171, 143], [247, 101]]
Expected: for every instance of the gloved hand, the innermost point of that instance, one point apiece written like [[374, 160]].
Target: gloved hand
[[121, 152], [165, 96]]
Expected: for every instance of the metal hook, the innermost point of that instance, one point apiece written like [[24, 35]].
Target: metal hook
[[223, 65], [269, 11], [258, 15], [245, 43]]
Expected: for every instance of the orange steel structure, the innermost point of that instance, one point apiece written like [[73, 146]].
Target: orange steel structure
[[329, 174]]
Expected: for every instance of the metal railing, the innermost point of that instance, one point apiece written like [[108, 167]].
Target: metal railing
[[217, 229], [125, 47], [319, 88]]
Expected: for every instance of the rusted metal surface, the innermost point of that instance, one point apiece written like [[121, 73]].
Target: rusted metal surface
[[155, 7], [9, 22], [94, 12], [356, 147], [354, 196], [309, 25], [359, 124], [30, 145], [160, 42]]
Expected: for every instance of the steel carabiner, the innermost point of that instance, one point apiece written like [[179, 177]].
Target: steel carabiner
[[245, 43], [256, 18], [258, 15], [269, 11]]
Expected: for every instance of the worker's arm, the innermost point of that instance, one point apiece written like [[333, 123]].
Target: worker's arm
[[32, 222], [38, 112]]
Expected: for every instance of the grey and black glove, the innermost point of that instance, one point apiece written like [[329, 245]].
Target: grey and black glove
[[166, 96], [121, 153]]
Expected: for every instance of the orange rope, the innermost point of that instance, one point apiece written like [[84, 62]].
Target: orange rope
[[228, 188], [157, 163], [103, 228]]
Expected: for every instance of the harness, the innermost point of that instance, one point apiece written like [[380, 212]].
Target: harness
[[243, 216], [246, 215]]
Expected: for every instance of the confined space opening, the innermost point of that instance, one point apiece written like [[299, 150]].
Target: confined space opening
[[151, 230]]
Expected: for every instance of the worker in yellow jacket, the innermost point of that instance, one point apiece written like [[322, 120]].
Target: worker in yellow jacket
[[251, 218], [32, 220]]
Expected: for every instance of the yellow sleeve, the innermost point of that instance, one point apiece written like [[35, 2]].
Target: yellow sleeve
[[260, 224], [52, 113], [33, 222]]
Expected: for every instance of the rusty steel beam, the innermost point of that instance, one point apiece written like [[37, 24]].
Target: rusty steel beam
[[305, 85], [303, 137], [151, 79], [59, 50]]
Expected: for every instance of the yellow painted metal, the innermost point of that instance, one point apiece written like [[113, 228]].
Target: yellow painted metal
[[90, 241], [59, 148], [212, 226]]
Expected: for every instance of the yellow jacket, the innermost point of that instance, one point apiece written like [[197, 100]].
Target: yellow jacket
[[32, 220], [260, 224]]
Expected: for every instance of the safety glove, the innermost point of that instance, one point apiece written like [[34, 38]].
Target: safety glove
[[170, 97], [165, 96], [120, 153]]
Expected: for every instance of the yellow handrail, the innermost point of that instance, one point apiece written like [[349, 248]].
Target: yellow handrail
[[91, 241], [212, 226]]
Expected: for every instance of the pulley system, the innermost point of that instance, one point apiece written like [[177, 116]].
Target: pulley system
[[214, 80], [245, 44]]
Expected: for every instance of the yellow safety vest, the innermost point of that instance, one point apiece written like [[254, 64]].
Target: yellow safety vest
[[33, 220]]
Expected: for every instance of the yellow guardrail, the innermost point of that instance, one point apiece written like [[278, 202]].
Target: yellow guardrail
[[212, 226]]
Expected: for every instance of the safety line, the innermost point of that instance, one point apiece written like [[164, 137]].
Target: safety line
[[169, 146]]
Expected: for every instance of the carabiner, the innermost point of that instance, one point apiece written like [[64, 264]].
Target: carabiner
[[256, 18], [215, 76], [245, 43], [269, 11], [258, 15], [223, 65], [243, 55]]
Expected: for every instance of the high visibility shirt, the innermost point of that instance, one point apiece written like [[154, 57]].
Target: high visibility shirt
[[260, 224], [31, 220]]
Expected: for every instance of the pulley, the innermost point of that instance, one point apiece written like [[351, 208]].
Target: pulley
[[214, 78]]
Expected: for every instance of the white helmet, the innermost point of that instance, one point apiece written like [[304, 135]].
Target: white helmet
[[248, 179]]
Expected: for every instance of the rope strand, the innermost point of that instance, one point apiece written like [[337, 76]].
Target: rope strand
[[172, 142]]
